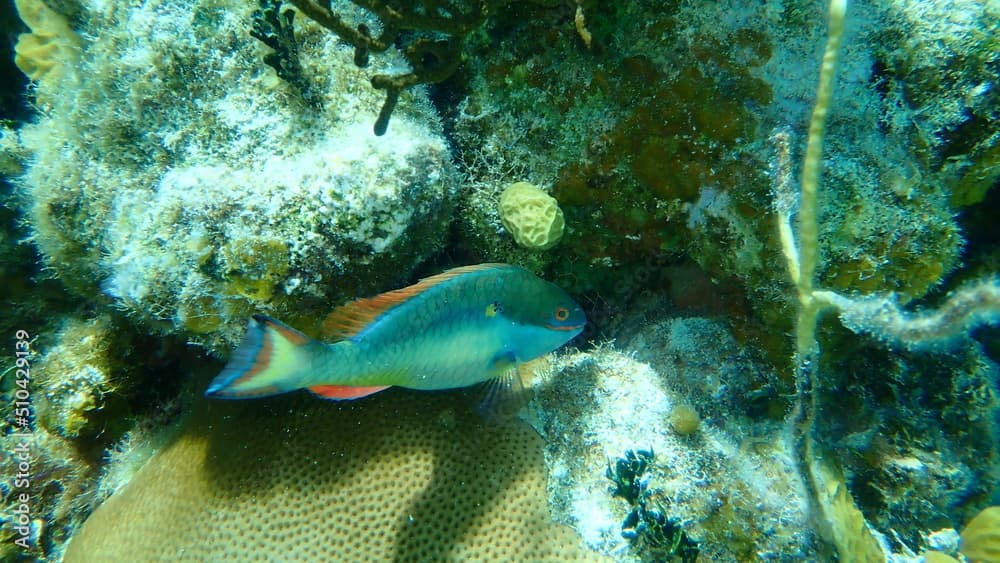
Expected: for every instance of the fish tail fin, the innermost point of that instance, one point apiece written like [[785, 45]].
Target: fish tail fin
[[269, 361]]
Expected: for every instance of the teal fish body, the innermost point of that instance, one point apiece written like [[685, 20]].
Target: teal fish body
[[458, 328]]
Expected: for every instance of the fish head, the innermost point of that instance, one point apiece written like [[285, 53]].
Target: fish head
[[546, 316]]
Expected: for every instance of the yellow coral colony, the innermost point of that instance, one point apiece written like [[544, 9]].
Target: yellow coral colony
[[531, 216], [981, 537]]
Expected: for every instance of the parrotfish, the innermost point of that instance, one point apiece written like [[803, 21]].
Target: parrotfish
[[461, 327]]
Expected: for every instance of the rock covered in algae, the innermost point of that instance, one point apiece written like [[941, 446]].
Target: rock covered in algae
[[910, 462], [402, 476], [732, 484], [174, 171], [74, 397], [657, 139]]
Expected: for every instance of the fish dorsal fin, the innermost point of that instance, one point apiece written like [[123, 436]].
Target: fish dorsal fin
[[350, 319]]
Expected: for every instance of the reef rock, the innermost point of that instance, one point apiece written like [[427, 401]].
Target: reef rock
[[729, 485], [174, 171]]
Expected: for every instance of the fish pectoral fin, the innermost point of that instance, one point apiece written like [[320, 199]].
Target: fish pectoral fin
[[503, 395], [345, 392], [504, 361]]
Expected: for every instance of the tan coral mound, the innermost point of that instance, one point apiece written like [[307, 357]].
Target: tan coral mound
[[531, 216], [400, 476]]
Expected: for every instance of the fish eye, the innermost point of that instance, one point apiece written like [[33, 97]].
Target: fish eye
[[562, 313]]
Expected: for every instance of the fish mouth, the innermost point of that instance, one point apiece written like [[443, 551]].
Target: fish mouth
[[565, 328]]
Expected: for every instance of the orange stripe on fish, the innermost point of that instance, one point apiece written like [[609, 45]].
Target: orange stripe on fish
[[351, 318], [264, 354], [289, 333], [264, 358], [345, 391], [566, 328]]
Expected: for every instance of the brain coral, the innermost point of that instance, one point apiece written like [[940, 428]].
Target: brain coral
[[175, 172], [531, 216], [401, 477]]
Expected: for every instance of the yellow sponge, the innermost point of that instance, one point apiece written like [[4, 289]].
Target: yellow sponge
[[49, 47], [531, 216], [402, 476]]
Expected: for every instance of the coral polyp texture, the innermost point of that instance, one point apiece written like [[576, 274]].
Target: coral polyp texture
[[981, 536], [336, 482], [172, 170]]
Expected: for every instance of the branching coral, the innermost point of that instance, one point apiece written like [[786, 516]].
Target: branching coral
[[273, 27], [431, 60]]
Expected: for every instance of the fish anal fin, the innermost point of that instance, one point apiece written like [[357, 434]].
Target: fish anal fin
[[350, 319], [345, 392]]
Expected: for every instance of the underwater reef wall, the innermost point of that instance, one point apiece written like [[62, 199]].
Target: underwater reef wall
[[656, 138], [173, 171], [177, 173]]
